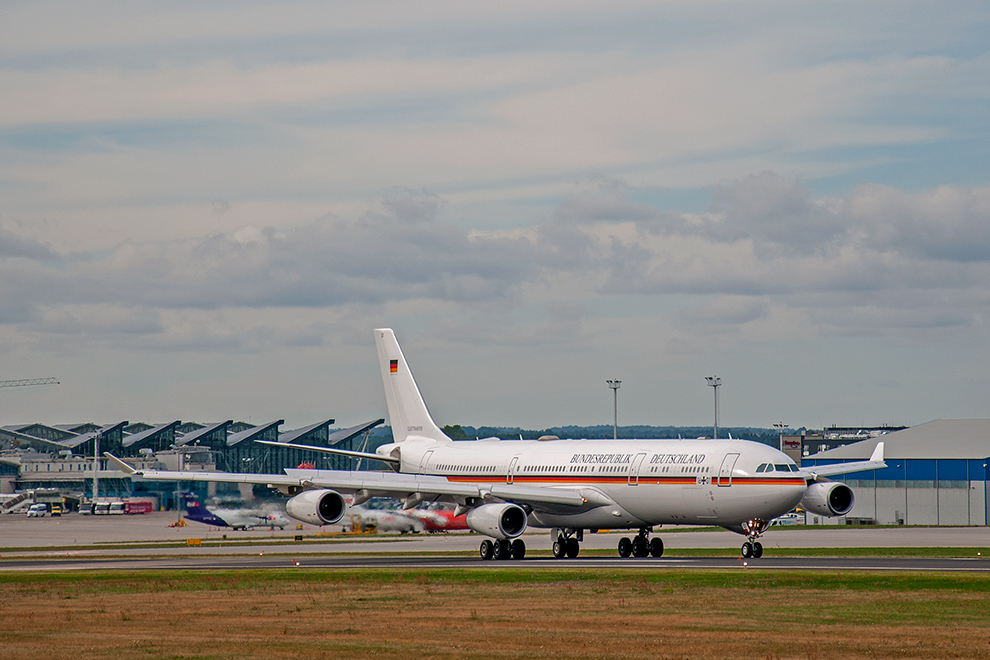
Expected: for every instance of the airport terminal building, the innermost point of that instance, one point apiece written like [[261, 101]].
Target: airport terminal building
[[936, 474], [39, 457]]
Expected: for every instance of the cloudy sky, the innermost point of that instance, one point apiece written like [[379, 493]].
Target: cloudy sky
[[205, 208]]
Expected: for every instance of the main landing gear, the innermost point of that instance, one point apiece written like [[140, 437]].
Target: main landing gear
[[567, 542], [503, 549], [754, 529], [641, 545]]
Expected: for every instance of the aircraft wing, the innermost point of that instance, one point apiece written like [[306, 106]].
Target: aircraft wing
[[228, 477], [427, 487], [412, 487], [875, 462]]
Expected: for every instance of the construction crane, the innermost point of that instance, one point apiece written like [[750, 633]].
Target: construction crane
[[24, 382]]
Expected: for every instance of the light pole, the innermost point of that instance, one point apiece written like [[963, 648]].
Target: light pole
[[715, 382], [614, 384], [96, 469], [780, 426]]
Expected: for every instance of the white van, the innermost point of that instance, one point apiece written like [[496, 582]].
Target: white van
[[37, 510], [116, 508]]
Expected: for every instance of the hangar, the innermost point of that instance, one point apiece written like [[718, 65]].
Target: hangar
[[936, 474]]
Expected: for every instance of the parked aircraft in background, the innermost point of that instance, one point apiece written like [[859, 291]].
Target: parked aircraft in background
[[439, 518], [435, 518], [567, 486], [383, 520], [236, 518]]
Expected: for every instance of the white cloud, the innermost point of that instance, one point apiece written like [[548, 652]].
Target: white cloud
[[636, 178], [765, 242]]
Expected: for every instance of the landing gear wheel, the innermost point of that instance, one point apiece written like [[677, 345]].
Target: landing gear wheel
[[502, 550], [757, 549], [656, 547], [640, 547], [487, 549], [518, 549], [625, 547], [747, 550], [559, 548], [573, 548]]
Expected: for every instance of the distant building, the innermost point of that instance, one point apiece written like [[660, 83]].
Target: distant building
[[38, 456], [936, 474]]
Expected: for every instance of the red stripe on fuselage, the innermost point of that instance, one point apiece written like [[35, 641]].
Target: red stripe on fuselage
[[594, 480]]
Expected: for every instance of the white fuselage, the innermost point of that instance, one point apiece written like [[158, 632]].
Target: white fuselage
[[627, 483]]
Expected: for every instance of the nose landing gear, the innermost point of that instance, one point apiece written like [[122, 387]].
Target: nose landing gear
[[754, 529]]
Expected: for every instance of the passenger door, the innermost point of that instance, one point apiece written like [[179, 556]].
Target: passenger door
[[725, 472], [513, 466], [634, 468]]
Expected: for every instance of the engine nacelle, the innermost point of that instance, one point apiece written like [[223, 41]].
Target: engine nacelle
[[317, 507], [828, 498], [500, 521]]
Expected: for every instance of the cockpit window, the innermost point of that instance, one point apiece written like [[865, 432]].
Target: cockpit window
[[782, 468], [763, 467]]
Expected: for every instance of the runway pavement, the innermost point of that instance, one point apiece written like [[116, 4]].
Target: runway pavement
[[76, 542], [393, 561]]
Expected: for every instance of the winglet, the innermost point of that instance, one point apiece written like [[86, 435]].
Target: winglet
[[119, 464], [877, 455]]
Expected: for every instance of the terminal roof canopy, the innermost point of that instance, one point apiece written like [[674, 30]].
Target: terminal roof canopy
[[344, 435], [212, 435], [264, 432], [304, 432], [157, 437], [942, 438], [112, 431]]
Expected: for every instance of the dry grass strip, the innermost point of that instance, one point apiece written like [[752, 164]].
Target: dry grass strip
[[447, 614]]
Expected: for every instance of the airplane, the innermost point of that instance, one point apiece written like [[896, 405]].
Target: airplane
[[566, 486], [234, 518], [383, 520], [439, 518]]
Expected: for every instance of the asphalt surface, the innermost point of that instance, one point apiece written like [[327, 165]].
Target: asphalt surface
[[304, 562], [146, 542]]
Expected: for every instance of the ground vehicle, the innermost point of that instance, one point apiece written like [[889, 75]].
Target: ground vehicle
[[138, 507], [56, 511], [101, 508], [116, 508], [788, 519], [37, 511]]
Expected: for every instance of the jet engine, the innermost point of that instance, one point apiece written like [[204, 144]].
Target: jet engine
[[500, 521], [828, 498], [317, 507]]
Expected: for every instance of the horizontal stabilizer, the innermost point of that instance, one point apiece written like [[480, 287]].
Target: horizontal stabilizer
[[119, 464], [333, 450]]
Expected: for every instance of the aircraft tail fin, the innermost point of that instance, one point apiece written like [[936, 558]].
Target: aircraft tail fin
[[196, 512], [407, 411]]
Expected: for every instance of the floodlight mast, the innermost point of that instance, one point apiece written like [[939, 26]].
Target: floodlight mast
[[614, 384], [715, 382], [780, 426]]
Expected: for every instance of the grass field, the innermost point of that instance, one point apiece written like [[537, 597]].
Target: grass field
[[520, 613]]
